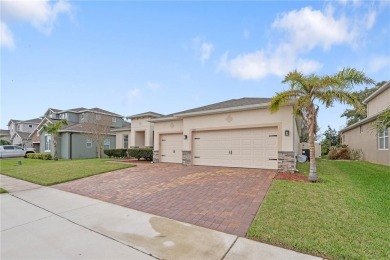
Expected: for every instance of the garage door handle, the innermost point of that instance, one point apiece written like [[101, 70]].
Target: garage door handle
[[272, 135], [272, 159], [163, 155], [197, 138], [197, 157]]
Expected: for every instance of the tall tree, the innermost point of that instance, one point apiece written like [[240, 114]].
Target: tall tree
[[53, 130], [97, 128], [307, 89], [332, 138], [354, 115]]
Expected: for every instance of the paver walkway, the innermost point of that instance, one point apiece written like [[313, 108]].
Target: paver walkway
[[220, 198]]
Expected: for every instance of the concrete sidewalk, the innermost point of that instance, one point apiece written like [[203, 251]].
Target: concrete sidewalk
[[41, 222]]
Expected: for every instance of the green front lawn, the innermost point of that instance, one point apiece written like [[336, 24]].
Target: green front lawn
[[53, 172], [344, 216], [2, 190]]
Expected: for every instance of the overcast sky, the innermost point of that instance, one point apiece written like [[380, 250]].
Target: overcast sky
[[132, 57]]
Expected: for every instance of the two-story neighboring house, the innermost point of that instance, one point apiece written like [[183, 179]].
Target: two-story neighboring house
[[363, 135], [74, 141], [20, 131]]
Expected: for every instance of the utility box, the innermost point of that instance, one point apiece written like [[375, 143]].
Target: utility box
[[307, 153]]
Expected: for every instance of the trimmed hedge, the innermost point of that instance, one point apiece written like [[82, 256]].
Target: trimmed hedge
[[117, 153], [41, 156], [139, 153]]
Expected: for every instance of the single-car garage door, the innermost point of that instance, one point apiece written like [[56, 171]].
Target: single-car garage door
[[170, 148], [249, 148]]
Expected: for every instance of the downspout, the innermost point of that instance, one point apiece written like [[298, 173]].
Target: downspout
[[70, 146]]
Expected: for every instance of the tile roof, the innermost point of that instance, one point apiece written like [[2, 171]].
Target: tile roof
[[149, 113], [232, 103], [4, 132], [33, 121]]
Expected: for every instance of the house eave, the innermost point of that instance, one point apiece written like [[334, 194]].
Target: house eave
[[377, 92], [361, 122]]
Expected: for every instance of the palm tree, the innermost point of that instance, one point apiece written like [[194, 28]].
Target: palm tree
[[306, 89], [53, 130]]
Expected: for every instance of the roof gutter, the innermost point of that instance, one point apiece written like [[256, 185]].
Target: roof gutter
[[377, 92]]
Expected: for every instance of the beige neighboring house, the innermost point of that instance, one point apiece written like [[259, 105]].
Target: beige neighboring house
[[234, 133], [362, 135], [137, 134]]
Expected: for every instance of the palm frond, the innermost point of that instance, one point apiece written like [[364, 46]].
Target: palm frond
[[282, 98], [351, 77]]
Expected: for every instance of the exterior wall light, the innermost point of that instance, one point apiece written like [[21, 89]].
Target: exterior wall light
[[286, 132], [185, 137]]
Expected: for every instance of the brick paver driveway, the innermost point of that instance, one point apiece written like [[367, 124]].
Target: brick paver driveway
[[224, 199]]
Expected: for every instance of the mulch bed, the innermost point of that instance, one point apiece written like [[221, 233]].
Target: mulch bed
[[291, 177]]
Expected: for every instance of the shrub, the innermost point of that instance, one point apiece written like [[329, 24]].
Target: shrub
[[117, 153], [42, 156], [356, 154], [4, 142], [341, 153], [139, 153]]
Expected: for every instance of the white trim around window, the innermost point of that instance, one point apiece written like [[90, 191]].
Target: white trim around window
[[114, 119], [383, 140], [106, 144], [47, 143], [89, 143]]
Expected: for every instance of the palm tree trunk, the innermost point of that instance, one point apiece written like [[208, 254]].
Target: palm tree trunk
[[55, 148], [313, 177]]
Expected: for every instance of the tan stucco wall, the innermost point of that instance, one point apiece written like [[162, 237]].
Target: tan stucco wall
[[367, 141], [317, 147], [168, 127], [119, 138], [379, 103], [283, 119], [142, 124]]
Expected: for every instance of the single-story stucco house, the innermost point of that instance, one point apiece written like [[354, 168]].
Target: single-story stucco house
[[234, 133], [362, 135]]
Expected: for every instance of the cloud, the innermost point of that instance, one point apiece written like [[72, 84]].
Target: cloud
[[378, 63], [307, 28], [246, 33], [40, 14], [206, 50], [202, 49], [300, 32], [6, 38], [153, 86], [259, 64], [134, 95]]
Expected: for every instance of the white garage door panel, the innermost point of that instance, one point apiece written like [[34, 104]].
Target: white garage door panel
[[171, 147], [250, 148]]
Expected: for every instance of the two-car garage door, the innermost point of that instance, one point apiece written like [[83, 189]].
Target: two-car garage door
[[249, 148]]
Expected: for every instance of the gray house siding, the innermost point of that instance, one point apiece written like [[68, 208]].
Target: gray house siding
[[72, 117]]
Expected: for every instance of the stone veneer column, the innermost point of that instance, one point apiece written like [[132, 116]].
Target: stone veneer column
[[186, 157], [156, 156], [286, 162]]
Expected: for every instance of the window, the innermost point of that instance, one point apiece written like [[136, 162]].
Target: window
[[47, 143], [18, 127], [125, 141], [383, 140], [89, 143], [8, 147], [114, 119], [98, 117], [106, 144], [82, 117], [29, 126], [63, 116]]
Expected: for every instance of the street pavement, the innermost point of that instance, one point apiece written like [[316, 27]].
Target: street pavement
[[45, 223]]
